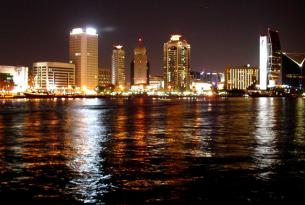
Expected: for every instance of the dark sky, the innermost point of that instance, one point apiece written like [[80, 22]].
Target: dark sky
[[221, 32]]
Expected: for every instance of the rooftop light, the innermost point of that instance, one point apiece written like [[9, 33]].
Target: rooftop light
[[175, 37], [77, 31], [91, 31]]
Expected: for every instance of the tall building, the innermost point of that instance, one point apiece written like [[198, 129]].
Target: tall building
[[176, 63], [19, 76], [270, 60], [83, 49], [53, 75], [240, 77], [293, 70], [104, 77], [118, 66], [139, 72]]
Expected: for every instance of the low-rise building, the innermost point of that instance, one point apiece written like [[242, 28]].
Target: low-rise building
[[240, 77], [53, 75], [19, 75]]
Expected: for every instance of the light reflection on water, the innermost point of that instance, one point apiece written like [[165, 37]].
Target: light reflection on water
[[118, 151], [88, 134], [266, 136]]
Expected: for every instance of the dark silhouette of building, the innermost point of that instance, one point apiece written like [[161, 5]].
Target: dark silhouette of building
[[293, 70]]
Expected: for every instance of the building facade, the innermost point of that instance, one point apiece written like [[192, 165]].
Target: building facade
[[118, 66], [83, 51], [19, 76], [270, 60], [156, 82], [176, 63], [53, 76], [139, 67], [240, 77], [104, 77], [293, 70]]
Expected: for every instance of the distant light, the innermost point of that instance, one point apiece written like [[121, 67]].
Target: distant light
[[91, 31], [118, 46], [175, 37], [77, 31], [248, 65], [140, 39]]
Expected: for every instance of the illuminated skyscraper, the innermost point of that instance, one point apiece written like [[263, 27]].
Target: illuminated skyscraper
[[270, 60], [83, 49], [139, 72], [176, 63], [118, 66]]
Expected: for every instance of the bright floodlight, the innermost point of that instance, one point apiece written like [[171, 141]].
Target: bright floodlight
[[77, 31], [118, 46], [175, 37], [91, 31]]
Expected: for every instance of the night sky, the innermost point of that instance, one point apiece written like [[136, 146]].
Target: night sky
[[221, 32]]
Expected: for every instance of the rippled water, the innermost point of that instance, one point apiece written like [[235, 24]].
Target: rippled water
[[122, 151]]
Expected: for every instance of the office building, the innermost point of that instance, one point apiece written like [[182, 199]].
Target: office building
[[293, 70], [53, 76], [176, 63], [83, 50], [270, 60], [18, 74], [104, 78], [240, 77], [118, 66], [139, 72]]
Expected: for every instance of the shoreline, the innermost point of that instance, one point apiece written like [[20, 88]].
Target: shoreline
[[142, 96]]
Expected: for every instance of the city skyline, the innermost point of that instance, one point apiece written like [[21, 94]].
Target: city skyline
[[216, 29]]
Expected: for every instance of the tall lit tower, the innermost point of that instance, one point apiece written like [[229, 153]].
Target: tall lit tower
[[83, 50], [139, 73], [118, 66], [176, 63], [270, 60]]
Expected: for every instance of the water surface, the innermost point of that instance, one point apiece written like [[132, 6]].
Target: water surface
[[158, 151]]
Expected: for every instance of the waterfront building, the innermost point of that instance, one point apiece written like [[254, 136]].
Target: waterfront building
[[139, 67], [156, 82], [118, 67], [104, 77], [240, 77], [270, 60], [209, 77], [293, 70], [53, 76], [17, 74], [176, 63], [83, 51]]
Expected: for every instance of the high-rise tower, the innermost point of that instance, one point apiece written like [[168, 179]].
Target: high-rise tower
[[270, 60], [176, 63], [139, 72], [83, 47], [118, 66]]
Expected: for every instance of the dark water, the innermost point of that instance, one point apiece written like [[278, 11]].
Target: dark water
[[120, 151]]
